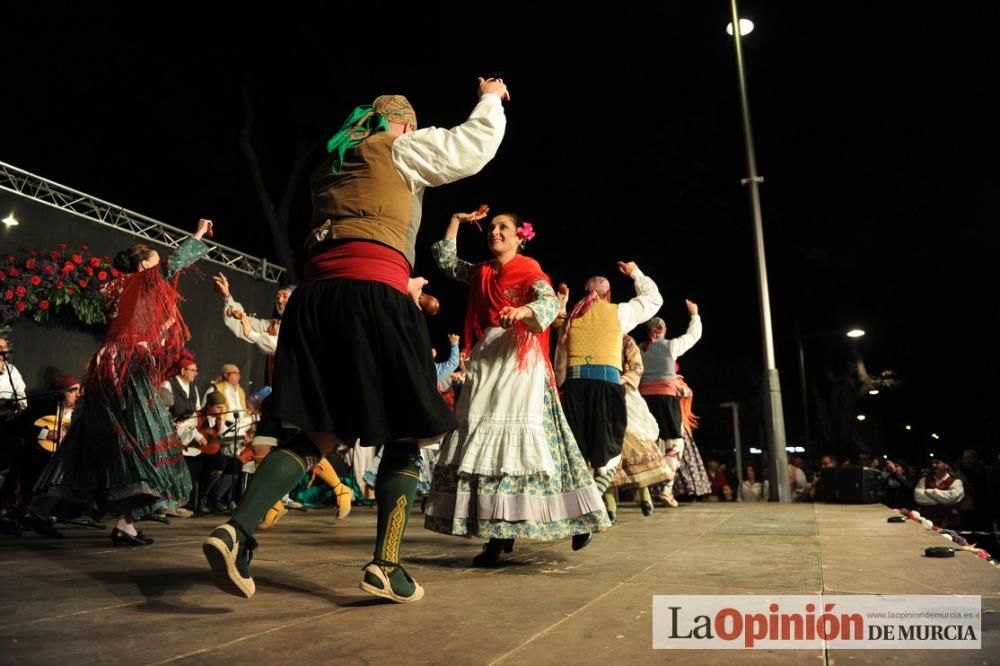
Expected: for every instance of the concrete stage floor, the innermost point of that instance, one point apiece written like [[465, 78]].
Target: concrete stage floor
[[79, 601]]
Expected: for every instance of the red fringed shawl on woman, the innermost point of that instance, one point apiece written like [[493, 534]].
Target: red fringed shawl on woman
[[494, 289], [143, 317]]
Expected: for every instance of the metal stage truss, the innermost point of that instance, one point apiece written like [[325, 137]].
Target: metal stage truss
[[47, 192]]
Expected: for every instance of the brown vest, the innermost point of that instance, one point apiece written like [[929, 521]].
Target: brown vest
[[367, 200]]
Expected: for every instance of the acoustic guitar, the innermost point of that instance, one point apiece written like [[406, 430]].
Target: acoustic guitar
[[49, 444], [213, 443]]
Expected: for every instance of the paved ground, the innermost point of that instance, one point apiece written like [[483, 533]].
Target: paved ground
[[78, 601]]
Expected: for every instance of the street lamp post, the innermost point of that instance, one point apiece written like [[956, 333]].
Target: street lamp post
[[774, 416], [852, 334], [805, 395], [737, 446]]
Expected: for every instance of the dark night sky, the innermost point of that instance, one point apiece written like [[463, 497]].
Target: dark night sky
[[876, 137]]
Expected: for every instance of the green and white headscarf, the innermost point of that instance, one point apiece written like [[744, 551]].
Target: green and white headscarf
[[366, 120]]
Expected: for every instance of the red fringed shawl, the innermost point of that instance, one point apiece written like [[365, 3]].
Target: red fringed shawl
[[143, 313], [492, 290]]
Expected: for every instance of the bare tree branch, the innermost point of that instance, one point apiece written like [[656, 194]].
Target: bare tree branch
[[277, 225]]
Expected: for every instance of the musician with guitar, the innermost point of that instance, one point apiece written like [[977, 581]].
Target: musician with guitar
[[13, 402], [50, 423], [203, 433]]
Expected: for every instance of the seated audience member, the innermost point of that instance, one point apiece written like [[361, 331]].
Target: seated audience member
[[938, 495]]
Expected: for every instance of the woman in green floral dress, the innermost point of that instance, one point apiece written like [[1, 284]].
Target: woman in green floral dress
[[122, 454], [512, 469]]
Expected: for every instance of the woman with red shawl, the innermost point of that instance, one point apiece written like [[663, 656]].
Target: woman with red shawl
[[512, 469], [122, 454]]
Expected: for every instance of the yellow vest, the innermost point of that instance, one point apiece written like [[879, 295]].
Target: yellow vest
[[220, 386], [596, 337], [368, 200]]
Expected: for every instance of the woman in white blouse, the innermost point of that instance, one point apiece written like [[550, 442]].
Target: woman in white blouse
[[752, 490]]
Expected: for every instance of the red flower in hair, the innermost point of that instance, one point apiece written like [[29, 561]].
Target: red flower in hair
[[525, 232]]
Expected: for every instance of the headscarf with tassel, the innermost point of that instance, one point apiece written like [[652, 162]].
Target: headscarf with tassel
[[366, 120]]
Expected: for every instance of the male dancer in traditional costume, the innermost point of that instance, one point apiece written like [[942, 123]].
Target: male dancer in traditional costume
[[352, 361]]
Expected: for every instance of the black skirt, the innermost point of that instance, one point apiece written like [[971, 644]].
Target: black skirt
[[354, 359], [666, 409], [595, 410]]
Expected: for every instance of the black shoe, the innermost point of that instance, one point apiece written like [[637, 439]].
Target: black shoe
[[43, 526], [230, 561], [122, 538], [491, 552], [647, 508], [580, 541], [9, 525]]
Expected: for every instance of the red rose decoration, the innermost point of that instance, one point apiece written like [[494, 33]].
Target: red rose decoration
[[84, 247], [70, 291], [76, 259], [33, 253], [43, 305], [20, 291], [82, 283], [19, 306], [59, 284], [35, 280], [102, 276], [30, 264], [50, 268], [54, 254], [114, 272], [62, 246], [88, 270], [14, 272], [95, 262], [8, 295], [3, 276]]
